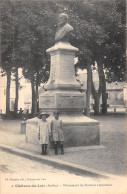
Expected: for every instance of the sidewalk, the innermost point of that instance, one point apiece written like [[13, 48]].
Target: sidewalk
[[105, 160]]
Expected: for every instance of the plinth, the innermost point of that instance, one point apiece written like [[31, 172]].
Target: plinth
[[63, 94]]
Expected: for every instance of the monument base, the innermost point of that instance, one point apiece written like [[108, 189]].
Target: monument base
[[61, 100], [79, 130]]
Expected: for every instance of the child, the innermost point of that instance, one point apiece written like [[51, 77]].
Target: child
[[57, 132], [44, 131]]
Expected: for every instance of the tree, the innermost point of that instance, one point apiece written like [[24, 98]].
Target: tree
[[101, 26], [6, 46], [36, 32], [22, 45], [94, 25], [10, 44]]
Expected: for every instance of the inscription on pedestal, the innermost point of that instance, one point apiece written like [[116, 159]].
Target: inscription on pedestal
[[53, 72], [71, 102], [47, 102], [67, 69]]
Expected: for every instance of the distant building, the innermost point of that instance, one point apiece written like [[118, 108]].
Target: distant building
[[3, 81], [24, 95], [115, 94]]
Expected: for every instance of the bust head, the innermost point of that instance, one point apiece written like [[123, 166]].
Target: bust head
[[63, 28], [62, 19]]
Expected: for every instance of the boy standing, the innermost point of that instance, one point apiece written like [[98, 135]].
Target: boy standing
[[57, 132]]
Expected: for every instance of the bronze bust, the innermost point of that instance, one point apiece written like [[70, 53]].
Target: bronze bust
[[64, 29]]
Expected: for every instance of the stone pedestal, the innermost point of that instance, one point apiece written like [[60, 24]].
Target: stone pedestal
[[62, 87], [78, 130], [62, 74], [63, 94], [23, 127], [64, 101], [32, 131]]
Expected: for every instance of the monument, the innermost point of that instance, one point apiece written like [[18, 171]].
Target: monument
[[63, 92]]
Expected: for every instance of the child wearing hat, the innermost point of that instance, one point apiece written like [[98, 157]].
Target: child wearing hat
[[44, 131], [57, 132]]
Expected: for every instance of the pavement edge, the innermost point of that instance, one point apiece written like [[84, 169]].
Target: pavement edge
[[59, 164]]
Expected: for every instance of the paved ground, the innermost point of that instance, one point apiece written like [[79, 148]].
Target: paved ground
[[18, 164], [20, 175], [110, 158]]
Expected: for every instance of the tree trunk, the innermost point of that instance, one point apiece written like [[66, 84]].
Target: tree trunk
[[96, 105], [8, 92], [103, 83], [96, 96], [16, 90], [104, 97], [36, 96], [89, 73], [33, 96]]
